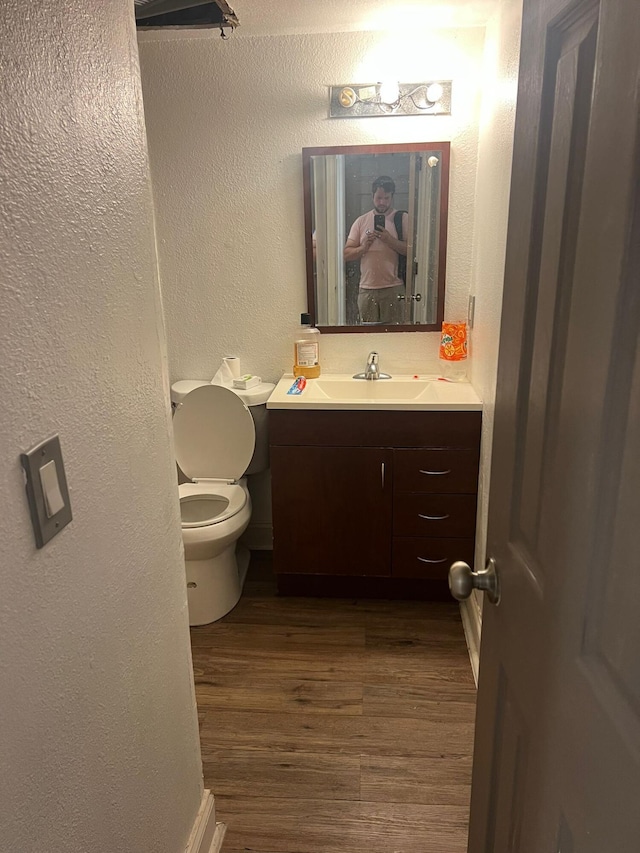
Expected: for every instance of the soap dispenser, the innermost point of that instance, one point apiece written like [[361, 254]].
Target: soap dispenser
[[306, 349]]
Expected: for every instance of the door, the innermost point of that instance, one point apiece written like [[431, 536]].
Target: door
[[332, 510], [557, 752]]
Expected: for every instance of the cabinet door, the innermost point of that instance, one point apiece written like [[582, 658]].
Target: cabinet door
[[332, 510]]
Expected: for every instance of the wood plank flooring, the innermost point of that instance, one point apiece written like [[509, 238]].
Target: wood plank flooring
[[336, 725]]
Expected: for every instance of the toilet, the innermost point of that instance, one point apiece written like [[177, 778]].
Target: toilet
[[220, 437]]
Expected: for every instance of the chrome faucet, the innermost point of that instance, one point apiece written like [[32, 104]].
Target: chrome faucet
[[372, 371]]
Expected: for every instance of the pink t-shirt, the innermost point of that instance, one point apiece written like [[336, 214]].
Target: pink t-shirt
[[378, 266]]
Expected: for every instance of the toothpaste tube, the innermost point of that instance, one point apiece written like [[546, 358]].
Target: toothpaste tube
[[298, 386]]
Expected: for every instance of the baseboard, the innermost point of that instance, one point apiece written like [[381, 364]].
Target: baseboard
[[258, 537], [472, 624], [206, 835], [218, 835]]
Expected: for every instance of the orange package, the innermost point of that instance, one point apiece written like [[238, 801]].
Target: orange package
[[453, 345]]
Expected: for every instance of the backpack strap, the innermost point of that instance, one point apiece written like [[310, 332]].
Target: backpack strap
[[397, 221], [402, 261]]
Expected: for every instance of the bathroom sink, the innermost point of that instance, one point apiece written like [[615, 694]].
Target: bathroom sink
[[343, 392], [380, 389]]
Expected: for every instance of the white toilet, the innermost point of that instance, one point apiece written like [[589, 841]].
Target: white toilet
[[219, 436]]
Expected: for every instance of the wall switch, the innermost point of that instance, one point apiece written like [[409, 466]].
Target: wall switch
[[47, 491], [53, 500]]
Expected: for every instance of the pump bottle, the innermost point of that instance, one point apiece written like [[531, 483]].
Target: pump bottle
[[306, 349]]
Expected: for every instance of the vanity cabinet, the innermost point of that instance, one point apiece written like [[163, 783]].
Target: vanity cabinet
[[379, 498]]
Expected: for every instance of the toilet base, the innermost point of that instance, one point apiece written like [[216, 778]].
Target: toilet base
[[214, 586], [243, 555]]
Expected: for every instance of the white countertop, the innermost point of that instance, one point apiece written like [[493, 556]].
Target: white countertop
[[341, 392]]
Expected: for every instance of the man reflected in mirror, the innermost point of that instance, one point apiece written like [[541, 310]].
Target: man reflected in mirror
[[379, 249]]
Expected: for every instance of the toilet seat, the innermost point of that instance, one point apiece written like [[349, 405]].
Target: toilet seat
[[214, 438], [226, 500], [214, 435]]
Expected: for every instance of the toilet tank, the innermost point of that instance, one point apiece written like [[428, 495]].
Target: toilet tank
[[255, 399]]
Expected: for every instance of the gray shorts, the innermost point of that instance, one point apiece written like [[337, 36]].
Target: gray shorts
[[382, 305]]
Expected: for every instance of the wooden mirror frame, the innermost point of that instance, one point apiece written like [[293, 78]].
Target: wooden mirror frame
[[387, 148]]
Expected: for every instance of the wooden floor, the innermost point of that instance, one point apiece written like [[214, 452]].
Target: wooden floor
[[336, 725]]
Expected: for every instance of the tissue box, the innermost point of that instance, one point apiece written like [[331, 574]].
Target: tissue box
[[246, 381]]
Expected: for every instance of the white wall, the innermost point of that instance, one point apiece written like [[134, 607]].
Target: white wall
[[227, 122], [98, 743], [495, 149]]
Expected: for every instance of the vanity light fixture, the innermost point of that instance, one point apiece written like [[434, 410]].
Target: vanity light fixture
[[390, 98]]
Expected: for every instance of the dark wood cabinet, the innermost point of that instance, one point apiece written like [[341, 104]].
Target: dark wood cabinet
[[372, 499]]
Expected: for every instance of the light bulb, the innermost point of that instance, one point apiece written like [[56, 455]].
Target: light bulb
[[389, 91], [434, 93]]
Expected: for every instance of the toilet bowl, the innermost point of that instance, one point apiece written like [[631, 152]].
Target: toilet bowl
[[215, 571], [215, 437]]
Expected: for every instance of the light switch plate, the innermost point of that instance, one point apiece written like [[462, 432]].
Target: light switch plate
[[32, 461]]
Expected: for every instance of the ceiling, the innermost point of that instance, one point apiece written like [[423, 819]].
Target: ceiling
[[282, 17]]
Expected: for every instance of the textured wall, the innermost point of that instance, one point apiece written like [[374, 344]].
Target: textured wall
[[495, 152], [98, 744], [226, 123]]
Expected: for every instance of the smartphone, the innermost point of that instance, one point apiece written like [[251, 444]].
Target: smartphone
[[378, 221]]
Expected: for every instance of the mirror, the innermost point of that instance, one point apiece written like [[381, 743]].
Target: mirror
[[376, 236]]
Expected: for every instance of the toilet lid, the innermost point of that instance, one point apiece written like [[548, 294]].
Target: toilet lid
[[214, 434]]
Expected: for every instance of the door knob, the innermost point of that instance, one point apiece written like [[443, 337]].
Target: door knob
[[462, 580]]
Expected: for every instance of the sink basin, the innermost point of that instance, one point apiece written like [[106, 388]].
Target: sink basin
[[380, 389], [341, 391]]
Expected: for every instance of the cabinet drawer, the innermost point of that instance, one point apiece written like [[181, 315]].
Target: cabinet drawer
[[434, 515], [436, 471], [416, 557]]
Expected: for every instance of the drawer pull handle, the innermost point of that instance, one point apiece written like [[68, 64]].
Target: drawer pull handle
[[382, 474], [433, 517], [435, 473], [424, 560]]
